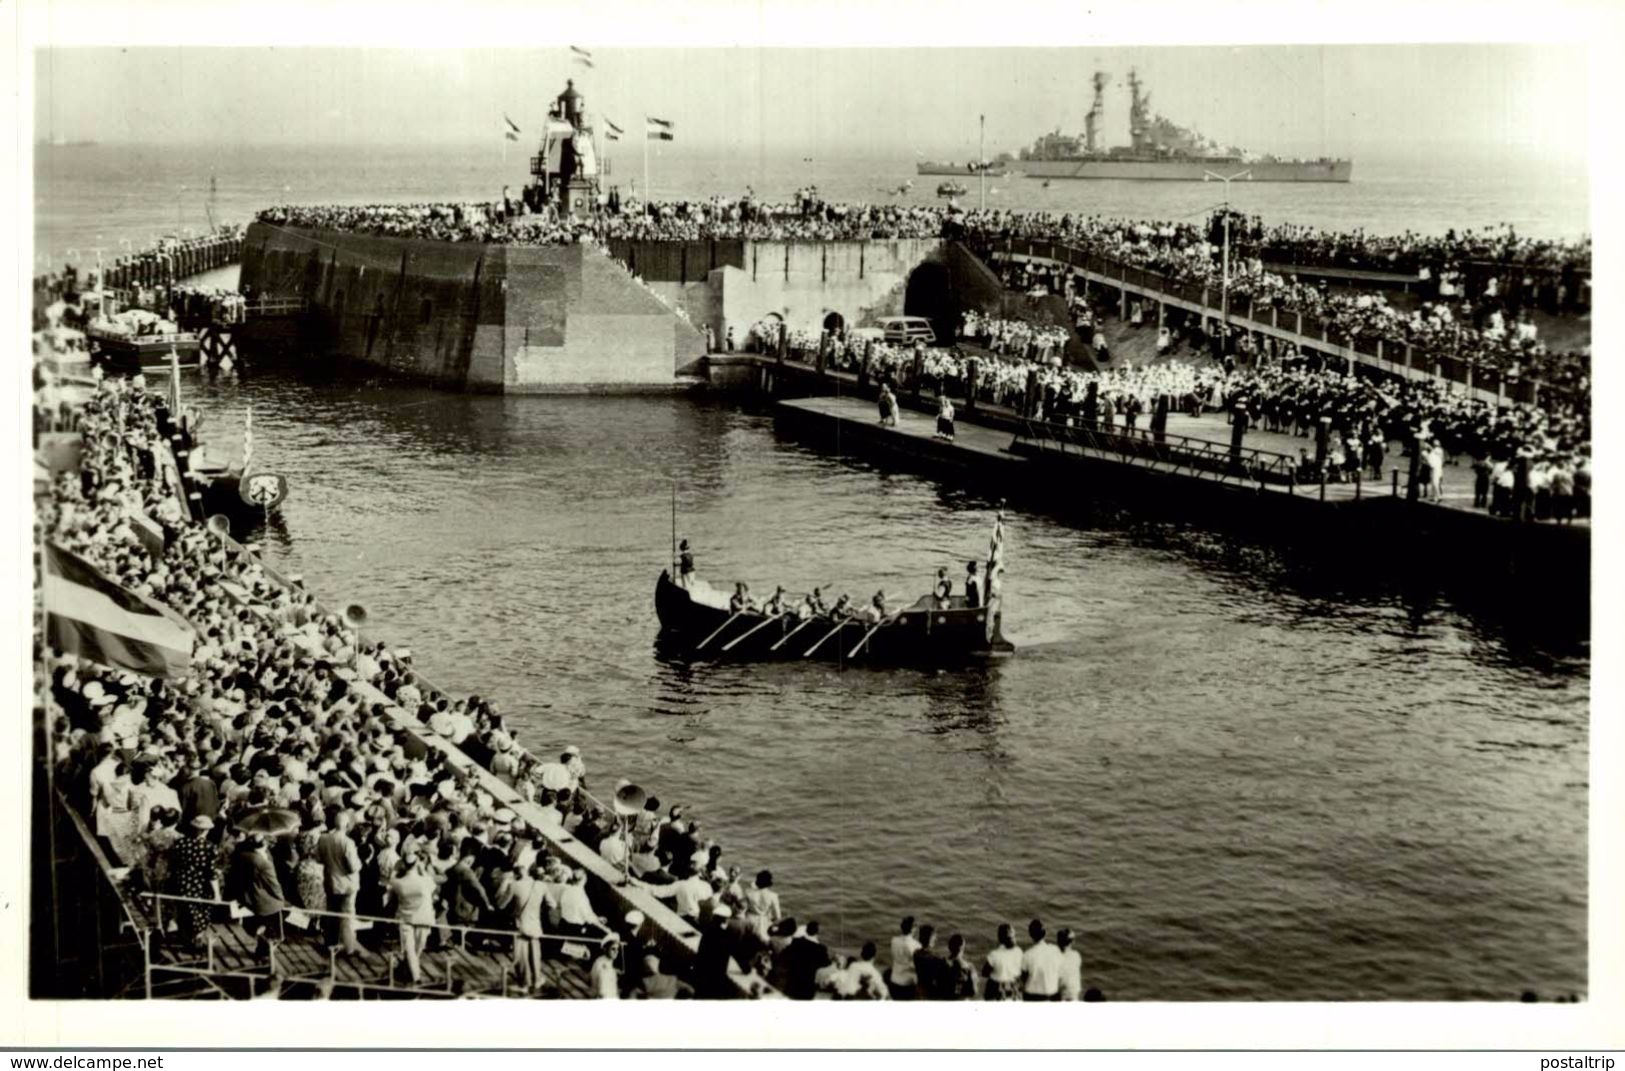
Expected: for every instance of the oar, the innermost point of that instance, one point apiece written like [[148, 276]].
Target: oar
[[808, 653], [754, 629], [853, 653], [792, 632], [718, 632]]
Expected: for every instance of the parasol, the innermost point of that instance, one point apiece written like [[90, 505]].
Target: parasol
[[271, 821]]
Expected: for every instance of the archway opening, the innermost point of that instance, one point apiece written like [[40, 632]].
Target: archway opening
[[835, 324], [930, 294]]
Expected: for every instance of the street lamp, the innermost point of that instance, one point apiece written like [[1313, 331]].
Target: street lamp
[[1224, 299]]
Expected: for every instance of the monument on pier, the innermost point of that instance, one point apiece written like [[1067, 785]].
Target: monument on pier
[[564, 171]]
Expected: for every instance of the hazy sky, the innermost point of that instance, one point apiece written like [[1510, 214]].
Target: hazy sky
[[1285, 99]]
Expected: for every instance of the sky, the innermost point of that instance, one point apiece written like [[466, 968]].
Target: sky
[[1360, 100]]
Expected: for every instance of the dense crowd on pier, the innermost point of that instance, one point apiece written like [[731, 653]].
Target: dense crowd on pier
[[272, 782], [1487, 330], [1527, 461], [1480, 288]]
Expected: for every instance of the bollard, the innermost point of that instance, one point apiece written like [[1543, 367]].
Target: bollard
[[1395, 491], [1356, 485], [1323, 485]]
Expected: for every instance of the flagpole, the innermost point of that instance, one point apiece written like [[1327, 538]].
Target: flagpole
[[646, 198]]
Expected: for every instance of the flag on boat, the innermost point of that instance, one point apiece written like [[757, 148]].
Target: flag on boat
[[174, 384], [580, 56], [659, 129], [611, 131], [513, 131], [248, 440], [88, 615]]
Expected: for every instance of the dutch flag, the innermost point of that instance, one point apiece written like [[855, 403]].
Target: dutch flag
[[93, 617], [659, 129]]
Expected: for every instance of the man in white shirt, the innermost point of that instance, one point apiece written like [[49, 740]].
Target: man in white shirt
[[864, 980], [1040, 966], [901, 978], [1003, 966], [1071, 966], [687, 895], [575, 910]]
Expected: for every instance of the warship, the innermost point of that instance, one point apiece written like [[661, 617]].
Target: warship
[[1160, 150]]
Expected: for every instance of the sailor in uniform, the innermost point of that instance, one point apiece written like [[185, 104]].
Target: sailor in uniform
[[842, 608], [741, 601], [775, 606], [876, 611], [944, 590]]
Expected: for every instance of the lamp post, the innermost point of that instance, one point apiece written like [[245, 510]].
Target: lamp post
[[981, 160], [1224, 291]]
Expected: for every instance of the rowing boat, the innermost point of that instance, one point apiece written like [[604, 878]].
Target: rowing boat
[[699, 624]]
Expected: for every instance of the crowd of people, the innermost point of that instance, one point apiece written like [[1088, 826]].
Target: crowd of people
[[1545, 447], [1488, 329], [284, 711], [1480, 287]]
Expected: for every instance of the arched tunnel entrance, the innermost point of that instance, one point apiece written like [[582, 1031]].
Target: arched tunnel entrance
[[835, 323], [930, 294]]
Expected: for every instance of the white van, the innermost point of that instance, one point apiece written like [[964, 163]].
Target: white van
[[904, 330]]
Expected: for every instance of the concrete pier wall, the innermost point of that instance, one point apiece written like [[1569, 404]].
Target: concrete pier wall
[[469, 316]]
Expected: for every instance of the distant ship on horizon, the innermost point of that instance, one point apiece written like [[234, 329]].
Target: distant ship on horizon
[[1160, 150]]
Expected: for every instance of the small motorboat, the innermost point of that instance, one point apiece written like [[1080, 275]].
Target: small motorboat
[[951, 189]]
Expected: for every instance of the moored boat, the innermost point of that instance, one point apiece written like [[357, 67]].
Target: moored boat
[[137, 341], [696, 621]]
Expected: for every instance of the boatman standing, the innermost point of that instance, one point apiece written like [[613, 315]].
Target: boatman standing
[[944, 589], [973, 586], [685, 564]]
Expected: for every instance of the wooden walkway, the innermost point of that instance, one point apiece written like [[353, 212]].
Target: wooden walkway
[[973, 439]]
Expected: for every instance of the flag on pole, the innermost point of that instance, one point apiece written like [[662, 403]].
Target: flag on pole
[[580, 56], [513, 131], [658, 129], [91, 616], [611, 131]]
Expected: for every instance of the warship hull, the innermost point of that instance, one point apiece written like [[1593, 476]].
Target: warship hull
[[1189, 170]]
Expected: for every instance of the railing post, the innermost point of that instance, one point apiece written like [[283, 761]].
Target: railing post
[[1395, 491], [1356, 485], [1323, 484]]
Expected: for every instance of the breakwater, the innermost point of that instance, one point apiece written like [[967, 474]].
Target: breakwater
[[469, 315], [165, 263]]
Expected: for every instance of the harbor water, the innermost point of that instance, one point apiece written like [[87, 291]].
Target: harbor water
[[98, 195], [1236, 774]]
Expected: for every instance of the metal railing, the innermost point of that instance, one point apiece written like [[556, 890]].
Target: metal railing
[[1203, 458], [275, 307], [285, 924]]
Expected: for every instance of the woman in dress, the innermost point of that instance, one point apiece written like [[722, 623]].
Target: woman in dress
[[307, 874], [116, 813], [524, 897], [192, 874]]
